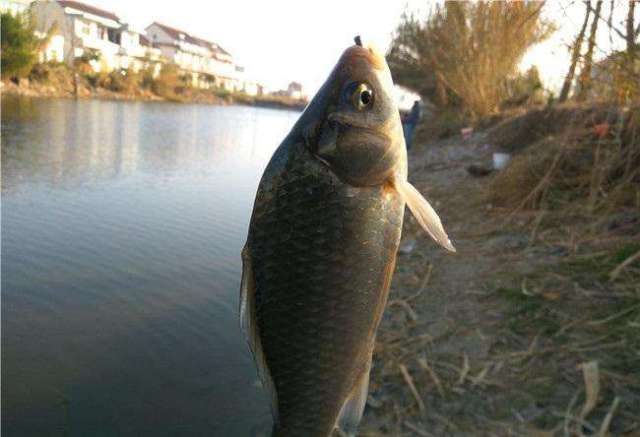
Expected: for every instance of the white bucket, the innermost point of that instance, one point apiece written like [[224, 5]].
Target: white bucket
[[500, 160]]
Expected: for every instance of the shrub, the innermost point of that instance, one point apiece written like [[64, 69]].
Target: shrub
[[146, 77], [83, 63], [19, 45], [123, 81], [166, 83], [524, 89], [569, 162], [465, 50]]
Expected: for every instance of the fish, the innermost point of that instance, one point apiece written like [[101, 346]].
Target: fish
[[321, 248]]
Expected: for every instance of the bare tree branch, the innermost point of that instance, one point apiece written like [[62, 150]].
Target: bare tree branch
[[575, 54], [585, 74], [610, 20], [615, 29]]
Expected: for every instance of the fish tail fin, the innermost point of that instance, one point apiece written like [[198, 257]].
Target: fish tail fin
[[423, 212]]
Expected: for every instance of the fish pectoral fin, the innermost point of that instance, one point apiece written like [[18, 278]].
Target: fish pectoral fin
[[424, 213], [250, 328], [353, 408]]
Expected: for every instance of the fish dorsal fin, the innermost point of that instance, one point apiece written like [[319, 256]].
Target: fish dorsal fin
[[353, 408], [423, 212], [250, 328]]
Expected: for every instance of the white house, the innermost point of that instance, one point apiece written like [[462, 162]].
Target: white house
[[53, 50], [87, 30], [204, 61], [135, 51]]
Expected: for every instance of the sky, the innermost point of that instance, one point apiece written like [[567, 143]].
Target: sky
[[280, 41]]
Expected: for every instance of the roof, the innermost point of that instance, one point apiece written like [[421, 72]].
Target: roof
[[144, 41], [175, 34], [89, 9]]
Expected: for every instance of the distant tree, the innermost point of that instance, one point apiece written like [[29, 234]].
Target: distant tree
[[615, 76], [585, 73], [632, 33], [575, 55], [410, 60], [19, 45], [464, 51]]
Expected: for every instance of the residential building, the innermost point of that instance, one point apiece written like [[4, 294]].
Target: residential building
[[294, 91], [205, 63], [136, 52], [93, 33], [53, 50]]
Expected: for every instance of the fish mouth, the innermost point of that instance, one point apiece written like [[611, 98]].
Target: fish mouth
[[331, 129], [346, 119], [335, 124]]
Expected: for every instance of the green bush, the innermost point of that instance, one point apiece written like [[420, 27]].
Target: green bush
[[45, 72], [223, 93], [19, 45]]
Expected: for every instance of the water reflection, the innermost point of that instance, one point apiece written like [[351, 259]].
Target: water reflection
[[121, 229], [94, 140]]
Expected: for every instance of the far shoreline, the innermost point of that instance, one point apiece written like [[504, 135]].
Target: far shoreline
[[195, 96]]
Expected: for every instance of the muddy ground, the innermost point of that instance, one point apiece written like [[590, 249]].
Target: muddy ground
[[512, 335]]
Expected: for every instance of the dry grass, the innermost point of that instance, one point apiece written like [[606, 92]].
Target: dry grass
[[534, 327], [568, 159], [583, 188]]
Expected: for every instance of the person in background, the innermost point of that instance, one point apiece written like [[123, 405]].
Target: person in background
[[410, 122]]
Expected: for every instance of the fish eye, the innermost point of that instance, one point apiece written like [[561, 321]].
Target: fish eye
[[362, 97]]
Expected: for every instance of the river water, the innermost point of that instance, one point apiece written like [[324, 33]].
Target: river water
[[122, 225]]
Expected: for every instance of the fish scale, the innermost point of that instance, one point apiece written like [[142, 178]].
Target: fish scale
[[313, 297]]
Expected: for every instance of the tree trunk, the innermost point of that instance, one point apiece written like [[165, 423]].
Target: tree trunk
[[585, 74], [631, 36], [575, 54]]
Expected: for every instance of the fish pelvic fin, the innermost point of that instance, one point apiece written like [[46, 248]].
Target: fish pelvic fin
[[250, 328], [353, 408], [423, 212]]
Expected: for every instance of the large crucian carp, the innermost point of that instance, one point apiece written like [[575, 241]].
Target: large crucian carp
[[322, 247]]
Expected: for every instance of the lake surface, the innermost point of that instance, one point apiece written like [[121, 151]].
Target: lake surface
[[122, 225]]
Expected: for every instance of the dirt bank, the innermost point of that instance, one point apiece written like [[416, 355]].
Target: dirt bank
[[514, 334], [64, 88]]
